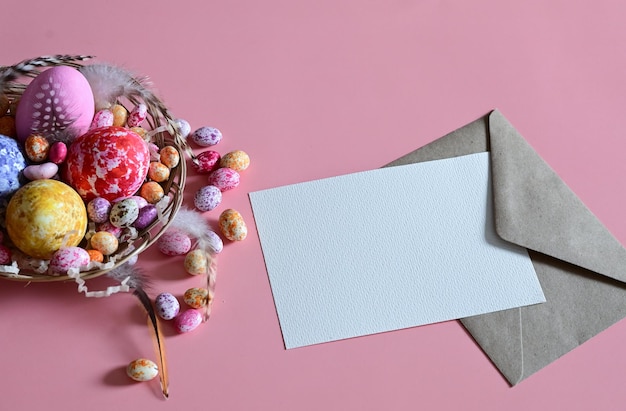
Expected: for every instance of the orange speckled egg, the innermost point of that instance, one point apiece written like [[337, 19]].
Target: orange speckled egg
[[152, 192], [36, 147], [232, 225], [45, 215], [237, 160], [158, 172], [169, 156]]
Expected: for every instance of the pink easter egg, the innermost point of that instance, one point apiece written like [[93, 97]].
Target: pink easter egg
[[188, 321], [5, 255], [59, 98], [67, 258], [207, 198], [174, 242], [224, 178], [206, 161], [98, 210], [58, 152], [137, 115], [102, 118]]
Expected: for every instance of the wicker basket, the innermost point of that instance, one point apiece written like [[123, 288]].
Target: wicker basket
[[163, 131]]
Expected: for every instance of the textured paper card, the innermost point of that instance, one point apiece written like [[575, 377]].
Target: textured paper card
[[388, 249]]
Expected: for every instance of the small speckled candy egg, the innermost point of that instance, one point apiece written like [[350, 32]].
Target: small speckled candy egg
[[188, 321], [206, 161], [215, 242], [12, 162], [224, 178], [95, 256], [107, 226], [232, 225], [183, 127], [58, 152], [196, 297], [103, 118], [120, 115], [152, 192], [169, 156], [137, 115], [5, 255], [142, 370], [158, 172], [146, 216], [104, 242], [196, 262], [174, 242], [67, 258], [237, 160], [124, 213], [206, 136], [207, 198], [98, 210], [37, 148], [167, 306]]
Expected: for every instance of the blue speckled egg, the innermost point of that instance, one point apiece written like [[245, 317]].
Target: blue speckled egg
[[12, 163]]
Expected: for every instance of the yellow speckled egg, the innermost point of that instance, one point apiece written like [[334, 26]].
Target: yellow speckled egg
[[120, 115], [196, 262], [142, 370], [104, 242], [237, 160], [232, 225], [45, 215]]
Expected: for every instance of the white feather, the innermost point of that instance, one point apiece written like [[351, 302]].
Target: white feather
[[191, 222], [109, 82]]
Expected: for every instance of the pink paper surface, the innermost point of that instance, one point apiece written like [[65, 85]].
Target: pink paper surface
[[312, 90]]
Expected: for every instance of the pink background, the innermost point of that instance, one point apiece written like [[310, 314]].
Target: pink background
[[310, 90]]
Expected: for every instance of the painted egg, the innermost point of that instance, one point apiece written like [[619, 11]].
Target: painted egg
[[107, 226], [40, 171], [140, 130], [36, 147], [45, 215], [102, 118], [215, 242], [174, 242], [57, 99], [237, 160], [67, 258], [104, 242], [142, 370], [152, 192], [147, 215], [207, 198], [141, 202], [109, 162], [96, 256], [58, 152], [206, 161], [169, 156], [158, 171], [124, 213], [167, 306], [137, 115], [120, 115], [196, 297], [206, 136], [12, 162], [183, 127], [196, 262], [98, 210], [232, 225], [224, 178], [188, 321], [5, 255]]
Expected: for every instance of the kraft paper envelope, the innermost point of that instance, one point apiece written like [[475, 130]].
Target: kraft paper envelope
[[580, 265]]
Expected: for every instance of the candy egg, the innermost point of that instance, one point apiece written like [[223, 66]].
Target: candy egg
[[158, 172], [36, 147], [232, 225], [169, 156], [141, 202], [12, 162], [58, 152], [103, 118], [137, 115], [5, 255], [152, 192], [237, 160], [196, 262], [109, 162], [167, 306], [215, 242], [146, 216], [206, 161], [142, 370], [44, 215], [183, 127], [206, 136], [95, 256], [140, 130], [107, 226], [224, 179], [120, 115], [174, 242], [67, 258], [59, 98], [104, 242], [41, 171], [196, 297], [188, 321], [124, 213], [98, 210], [207, 198]]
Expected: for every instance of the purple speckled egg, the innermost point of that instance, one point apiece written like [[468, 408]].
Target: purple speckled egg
[[207, 198], [146, 216], [167, 306], [66, 258], [224, 178], [98, 210], [206, 161], [206, 136], [215, 242], [188, 321], [183, 127], [174, 242]]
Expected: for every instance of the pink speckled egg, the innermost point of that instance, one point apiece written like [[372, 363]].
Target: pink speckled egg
[[167, 306], [183, 127], [215, 242], [174, 242], [188, 321], [137, 115], [224, 178], [102, 118], [57, 99], [206, 136], [67, 258], [98, 210], [5, 255], [107, 226], [207, 198], [206, 161], [107, 162]]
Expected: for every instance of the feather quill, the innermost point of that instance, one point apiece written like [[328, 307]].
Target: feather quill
[[136, 279], [32, 68]]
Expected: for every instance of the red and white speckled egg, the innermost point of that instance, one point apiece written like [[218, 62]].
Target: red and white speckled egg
[[188, 321], [67, 258], [5, 255], [108, 162], [224, 178], [57, 99], [206, 161], [174, 242]]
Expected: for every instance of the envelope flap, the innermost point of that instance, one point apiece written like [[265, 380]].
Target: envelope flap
[[534, 208]]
